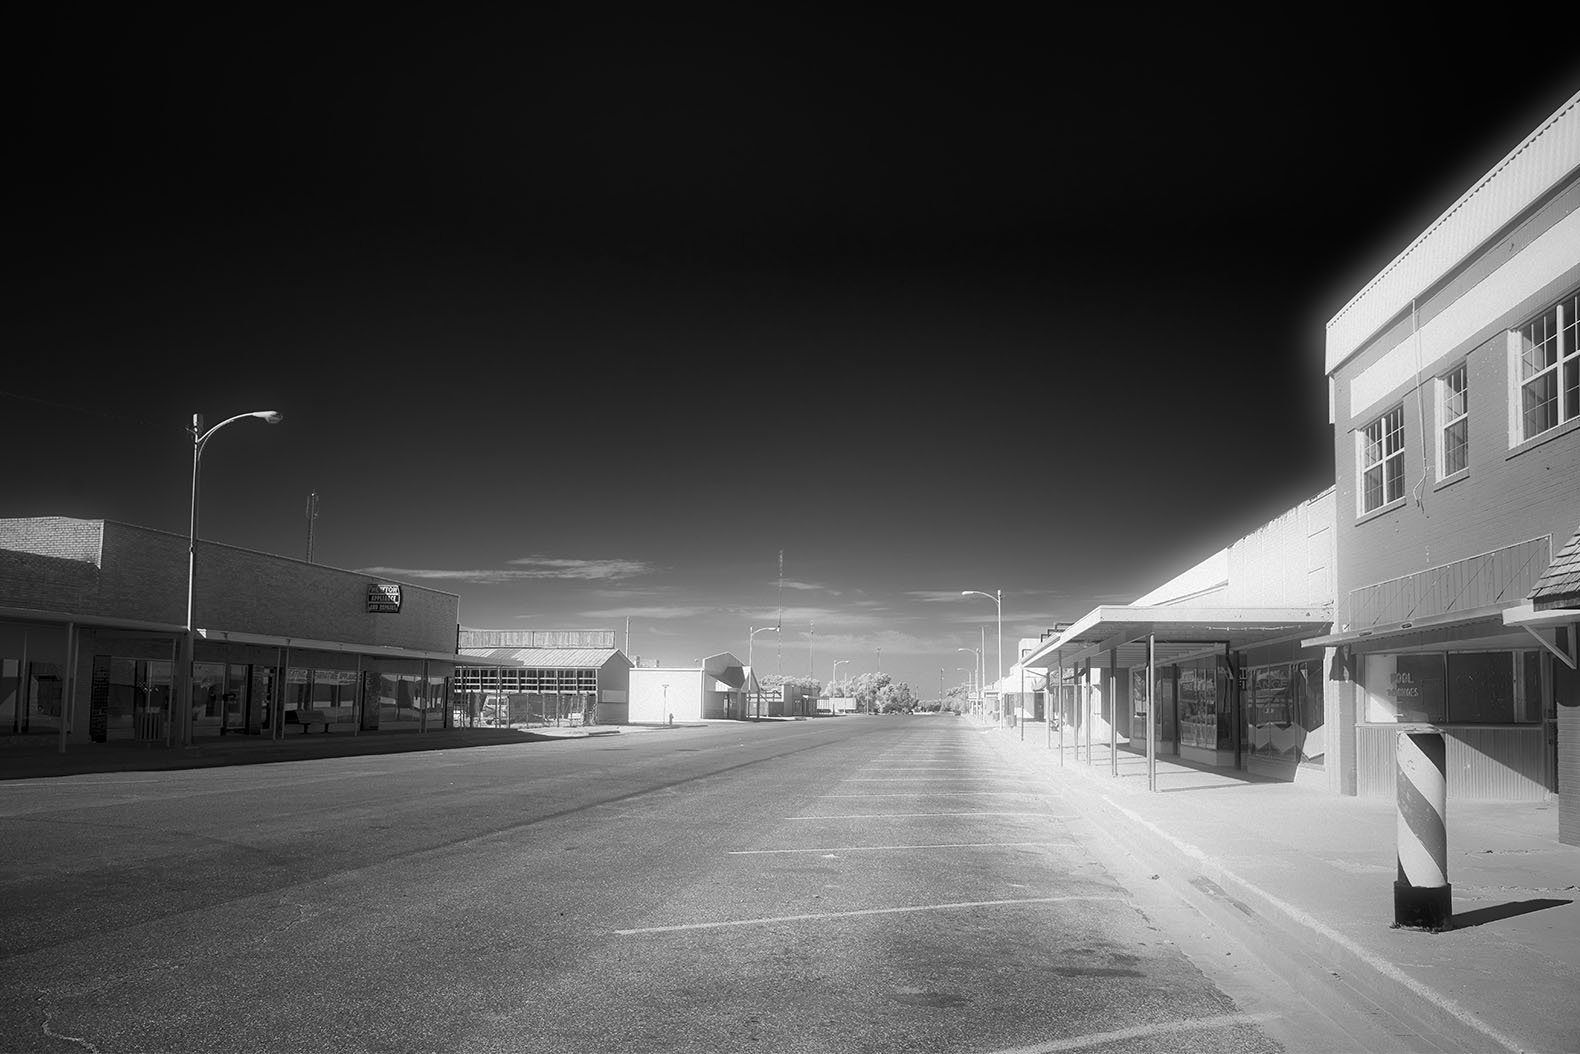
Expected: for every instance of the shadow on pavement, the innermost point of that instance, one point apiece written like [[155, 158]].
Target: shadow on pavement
[[1482, 916]]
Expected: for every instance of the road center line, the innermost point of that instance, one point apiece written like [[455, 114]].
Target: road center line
[[870, 848], [856, 914], [1098, 1039]]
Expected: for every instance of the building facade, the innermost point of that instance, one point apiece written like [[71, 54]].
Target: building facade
[[715, 689], [541, 677], [1454, 381], [1215, 654], [93, 612]]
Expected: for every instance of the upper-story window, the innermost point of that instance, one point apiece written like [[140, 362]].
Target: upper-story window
[[1453, 408], [1382, 460], [1549, 369]]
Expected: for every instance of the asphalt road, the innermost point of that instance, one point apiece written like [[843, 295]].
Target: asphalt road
[[855, 884]]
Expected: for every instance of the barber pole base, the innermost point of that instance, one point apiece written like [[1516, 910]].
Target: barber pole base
[[1422, 896]]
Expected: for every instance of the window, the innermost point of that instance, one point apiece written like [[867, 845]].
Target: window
[[1459, 687], [1454, 423], [1382, 460], [1548, 369]]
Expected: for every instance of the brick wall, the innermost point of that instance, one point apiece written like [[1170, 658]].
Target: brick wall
[[58, 536], [142, 575]]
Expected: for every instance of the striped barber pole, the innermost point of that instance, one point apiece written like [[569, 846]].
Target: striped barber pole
[[1422, 896]]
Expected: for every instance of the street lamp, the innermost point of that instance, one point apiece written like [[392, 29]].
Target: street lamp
[[978, 671], [200, 438], [997, 596], [752, 637]]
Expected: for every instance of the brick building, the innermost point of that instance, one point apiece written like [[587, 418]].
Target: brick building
[[1454, 381], [92, 614]]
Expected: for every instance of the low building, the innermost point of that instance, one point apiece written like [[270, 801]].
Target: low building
[[1216, 654], [1454, 393], [717, 688], [540, 677], [93, 616]]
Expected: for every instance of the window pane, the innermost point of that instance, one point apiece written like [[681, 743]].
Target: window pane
[[1572, 388], [1539, 400], [1539, 344], [1395, 486], [1455, 447], [1531, 703], [1481, 687], [1404, 687]]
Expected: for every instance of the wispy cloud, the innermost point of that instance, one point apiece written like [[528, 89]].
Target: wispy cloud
[[524, 569], [556, 567], [802, 585], [935, 596]]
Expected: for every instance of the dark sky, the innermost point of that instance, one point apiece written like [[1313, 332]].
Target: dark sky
[[584, 316]]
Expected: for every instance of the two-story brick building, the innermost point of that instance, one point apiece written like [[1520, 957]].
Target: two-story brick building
[[92, 614], [1454, 381]]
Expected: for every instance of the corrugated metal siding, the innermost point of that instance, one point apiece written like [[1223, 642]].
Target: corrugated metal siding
[[1484, 764], [536, 638], [1538, 164], [1503, 576], [536, 658]]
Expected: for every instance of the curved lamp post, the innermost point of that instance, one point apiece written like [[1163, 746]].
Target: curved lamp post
[[200, 437], [997, 596], [751, 637]]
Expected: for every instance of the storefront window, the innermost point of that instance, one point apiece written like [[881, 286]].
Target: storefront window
[[1404, 688], [208, 691], [1461, 687], [1203, 721]]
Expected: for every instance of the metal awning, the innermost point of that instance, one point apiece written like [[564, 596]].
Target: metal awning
[[275, 640], [1179, 633], [1425, 626]]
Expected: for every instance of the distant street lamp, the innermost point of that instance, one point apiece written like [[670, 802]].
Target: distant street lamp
[[997, 596], [200, 438], [978, 671], [752, 637]]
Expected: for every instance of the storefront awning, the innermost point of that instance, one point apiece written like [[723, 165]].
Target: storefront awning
[[1460, 623], [271, 639], [1544, 627], [1178, 633]]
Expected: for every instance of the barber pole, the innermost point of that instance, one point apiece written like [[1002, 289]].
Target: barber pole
[[1422, 896]]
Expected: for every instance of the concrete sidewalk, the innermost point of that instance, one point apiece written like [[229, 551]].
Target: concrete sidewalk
[[1319, 869], [39, 756]]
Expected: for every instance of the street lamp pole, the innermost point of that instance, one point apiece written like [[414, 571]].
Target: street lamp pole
[[752, 638], [200, 438], [997, 596], [976, 654]]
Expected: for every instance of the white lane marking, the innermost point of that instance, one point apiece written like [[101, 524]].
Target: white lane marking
[[869, 848], [1382, 966], [943, 794], [913, 815], [923, 779], [1098, 1039], [866, 911]]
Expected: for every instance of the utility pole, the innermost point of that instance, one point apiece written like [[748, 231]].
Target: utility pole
[[312, 515]]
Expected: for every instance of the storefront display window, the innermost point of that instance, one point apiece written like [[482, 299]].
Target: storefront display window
[[208, 692], [1457, 687], [1284, 708], [1203, 717]]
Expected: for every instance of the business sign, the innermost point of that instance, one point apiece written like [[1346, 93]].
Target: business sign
[[383, 597]]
